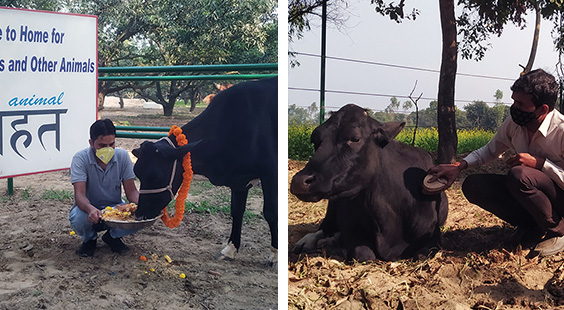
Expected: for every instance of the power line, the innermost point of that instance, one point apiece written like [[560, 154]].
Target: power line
[[379, 95], [403, 67]]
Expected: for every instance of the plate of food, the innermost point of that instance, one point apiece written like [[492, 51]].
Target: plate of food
[[123, 217]]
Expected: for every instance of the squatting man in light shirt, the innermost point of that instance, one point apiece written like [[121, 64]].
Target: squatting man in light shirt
[[531, 195], [97, 174]]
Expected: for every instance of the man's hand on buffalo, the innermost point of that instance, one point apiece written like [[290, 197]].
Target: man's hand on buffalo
[[447, 172]]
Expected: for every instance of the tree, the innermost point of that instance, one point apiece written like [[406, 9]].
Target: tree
[[478, 20], [498, 96], [167, 33], [301, 11], [477, 114], [120, 25], [393, 106], [298, 115], [498, 113], [46, 5], [428, 117], [448, 139], [208, 32], [480, 115]]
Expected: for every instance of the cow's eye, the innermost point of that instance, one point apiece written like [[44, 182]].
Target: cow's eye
[[354, 140]]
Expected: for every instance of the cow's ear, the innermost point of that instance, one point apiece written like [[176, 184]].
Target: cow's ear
[[136, 152], [181, 151], [386, 132]]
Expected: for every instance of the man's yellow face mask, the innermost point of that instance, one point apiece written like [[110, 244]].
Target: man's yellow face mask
[[105, 154]]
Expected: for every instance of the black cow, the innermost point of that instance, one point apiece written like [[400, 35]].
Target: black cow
[[373, 183], [234, 142]]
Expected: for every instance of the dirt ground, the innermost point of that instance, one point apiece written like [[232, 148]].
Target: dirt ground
[[478, 266], [40, 270]]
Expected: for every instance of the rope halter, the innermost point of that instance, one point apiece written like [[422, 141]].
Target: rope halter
[[169, 186]]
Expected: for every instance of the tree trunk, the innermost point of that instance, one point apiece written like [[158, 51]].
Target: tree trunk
[[169, 107], [101, 95], [446, 121], [193, 100], [101, 98], [535, 43], [121, 103]]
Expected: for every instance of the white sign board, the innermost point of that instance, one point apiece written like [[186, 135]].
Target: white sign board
[[48, 78]]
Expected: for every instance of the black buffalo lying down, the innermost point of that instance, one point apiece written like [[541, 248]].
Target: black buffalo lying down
[[373, 182], [232, 142]]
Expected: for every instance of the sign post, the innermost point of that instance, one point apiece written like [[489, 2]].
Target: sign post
[[48, 73]]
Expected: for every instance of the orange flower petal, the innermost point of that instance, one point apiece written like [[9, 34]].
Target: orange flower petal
[[184, 188]]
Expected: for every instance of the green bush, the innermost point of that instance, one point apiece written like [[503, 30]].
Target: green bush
[[300, 147], [469, 140], [426, 138], [299, 143]]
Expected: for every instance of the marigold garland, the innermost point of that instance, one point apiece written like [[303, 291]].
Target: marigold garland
[[186, 181]]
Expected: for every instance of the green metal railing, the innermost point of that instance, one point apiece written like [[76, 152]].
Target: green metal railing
[[154, 132], [193, 68], [186, 77], [126, 133]]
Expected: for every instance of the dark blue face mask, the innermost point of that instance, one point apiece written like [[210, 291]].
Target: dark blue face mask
[[521, 117]]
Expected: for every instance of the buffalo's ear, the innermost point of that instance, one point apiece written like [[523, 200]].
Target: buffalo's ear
[[386, 132], [136, 152], [181, 151]]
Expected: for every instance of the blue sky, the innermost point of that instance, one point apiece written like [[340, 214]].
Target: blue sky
[[370, 37]]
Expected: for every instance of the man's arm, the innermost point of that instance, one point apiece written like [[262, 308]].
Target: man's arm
[[131, 191], [82, 202]]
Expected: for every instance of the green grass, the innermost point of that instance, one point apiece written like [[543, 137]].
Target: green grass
[[198, 187], [26, 194], [205, 207], [122, 123], [61, 195], [180, 103], [255, 191]]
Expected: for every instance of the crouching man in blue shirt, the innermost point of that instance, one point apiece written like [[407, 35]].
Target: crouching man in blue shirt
[[97, 174]]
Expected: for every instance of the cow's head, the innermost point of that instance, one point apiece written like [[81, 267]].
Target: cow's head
[[156, 170], [345, 160]]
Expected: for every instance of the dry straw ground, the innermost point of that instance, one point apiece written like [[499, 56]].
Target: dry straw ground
[[478, 267]]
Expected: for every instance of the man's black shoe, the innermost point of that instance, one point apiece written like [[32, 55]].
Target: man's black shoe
[[527, 236], [115, 243], [87, 248]]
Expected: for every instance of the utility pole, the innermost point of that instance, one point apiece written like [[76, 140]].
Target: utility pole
[[323, 56]]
